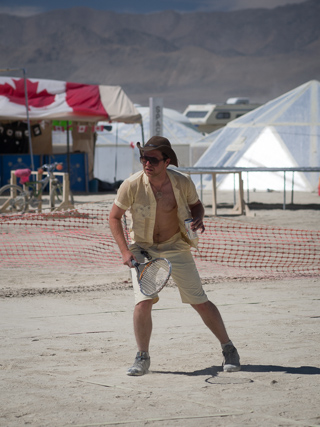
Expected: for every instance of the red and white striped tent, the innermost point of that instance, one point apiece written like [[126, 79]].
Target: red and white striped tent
[[59, 100], [49, 100]]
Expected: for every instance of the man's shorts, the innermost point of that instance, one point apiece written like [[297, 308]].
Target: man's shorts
[[184, 271]]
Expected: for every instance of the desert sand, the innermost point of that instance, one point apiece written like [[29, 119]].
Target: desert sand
[[64, 352]]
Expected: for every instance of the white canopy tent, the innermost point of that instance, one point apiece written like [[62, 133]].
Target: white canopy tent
[[176, 127], [284, 133], [117, 148], [114, 157]]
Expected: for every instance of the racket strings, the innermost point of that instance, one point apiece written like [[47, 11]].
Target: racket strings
[[154, 276]]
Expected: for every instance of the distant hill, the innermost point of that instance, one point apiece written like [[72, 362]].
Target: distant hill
[[186, 58]]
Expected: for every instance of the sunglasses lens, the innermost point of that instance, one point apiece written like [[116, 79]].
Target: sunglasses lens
[[152, 160]]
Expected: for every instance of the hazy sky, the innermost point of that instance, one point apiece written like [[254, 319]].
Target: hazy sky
[[31, 7]]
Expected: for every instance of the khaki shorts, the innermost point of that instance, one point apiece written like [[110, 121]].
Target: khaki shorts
[[184, 271]]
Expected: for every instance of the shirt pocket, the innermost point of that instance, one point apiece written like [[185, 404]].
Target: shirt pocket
[[141, 211], [141, 221]]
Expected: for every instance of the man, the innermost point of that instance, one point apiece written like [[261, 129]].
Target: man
[[159, 200]]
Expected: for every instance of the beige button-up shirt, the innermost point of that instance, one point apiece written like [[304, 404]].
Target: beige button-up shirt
[[136, 194]]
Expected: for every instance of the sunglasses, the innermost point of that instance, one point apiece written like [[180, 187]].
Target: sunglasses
[[152, 160]]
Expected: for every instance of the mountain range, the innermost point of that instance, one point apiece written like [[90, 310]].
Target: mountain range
[[185, 58]]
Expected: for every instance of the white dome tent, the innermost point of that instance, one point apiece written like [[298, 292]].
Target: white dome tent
[[283, 133], [116, 155], [176, 127]]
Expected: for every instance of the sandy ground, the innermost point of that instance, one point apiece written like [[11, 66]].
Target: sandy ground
[[64, 355]]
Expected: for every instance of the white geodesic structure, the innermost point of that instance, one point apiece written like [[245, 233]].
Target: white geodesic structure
[[285, 132]]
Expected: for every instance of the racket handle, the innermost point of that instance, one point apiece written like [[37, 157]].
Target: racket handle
[[134, 263]]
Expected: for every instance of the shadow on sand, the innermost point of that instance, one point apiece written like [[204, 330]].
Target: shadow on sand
[[214, 370]]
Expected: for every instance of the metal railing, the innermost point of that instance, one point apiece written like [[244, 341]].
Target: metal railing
[[213, 171]]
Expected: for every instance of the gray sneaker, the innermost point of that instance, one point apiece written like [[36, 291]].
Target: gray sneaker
[[231, 362], [141, 364]]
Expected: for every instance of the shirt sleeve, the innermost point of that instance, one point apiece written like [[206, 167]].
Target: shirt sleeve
[[124, 198], [192, 195]]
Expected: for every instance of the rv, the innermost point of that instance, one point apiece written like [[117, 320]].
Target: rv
[[210, 117]]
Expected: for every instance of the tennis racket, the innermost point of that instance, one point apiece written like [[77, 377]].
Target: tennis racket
[[152, 275]]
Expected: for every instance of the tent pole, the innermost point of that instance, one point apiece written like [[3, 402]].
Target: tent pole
[[116, 158], [292, 187], [142, 133], [28, 119], [284, 190], [68, 148]]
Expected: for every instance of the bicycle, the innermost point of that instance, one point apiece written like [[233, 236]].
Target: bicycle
[[18, 199]]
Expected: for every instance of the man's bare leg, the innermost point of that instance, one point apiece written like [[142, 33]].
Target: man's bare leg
[[142, 322], [212, 318]]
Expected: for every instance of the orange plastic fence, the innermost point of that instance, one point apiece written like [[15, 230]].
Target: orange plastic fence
[[80, 240]]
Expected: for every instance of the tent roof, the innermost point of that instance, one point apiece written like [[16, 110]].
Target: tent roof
[[176, 127], [293, 119], [59, 100]]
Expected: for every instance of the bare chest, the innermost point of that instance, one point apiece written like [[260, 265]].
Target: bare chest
[[165, 198]]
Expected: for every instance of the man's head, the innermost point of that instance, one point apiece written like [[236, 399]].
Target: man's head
[[163, 145]]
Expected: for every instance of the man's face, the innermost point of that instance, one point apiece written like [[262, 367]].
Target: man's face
[[149, 162]]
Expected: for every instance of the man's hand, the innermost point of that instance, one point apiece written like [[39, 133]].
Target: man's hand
[[127, 256], [197, 212], [197, 224]]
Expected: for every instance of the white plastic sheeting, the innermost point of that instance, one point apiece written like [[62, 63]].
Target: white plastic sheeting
[[176, 127], [285, 132], [116, 155]]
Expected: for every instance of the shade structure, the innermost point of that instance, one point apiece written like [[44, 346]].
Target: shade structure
[[176, 127], [285, 132], [50, 100], [121, 142], [60, 100]]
